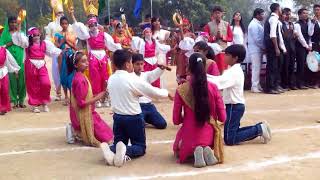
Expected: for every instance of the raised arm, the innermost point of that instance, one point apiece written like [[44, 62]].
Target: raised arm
[[51, 49], [154, 74], [20, 39], [81, 31], [110, 44]]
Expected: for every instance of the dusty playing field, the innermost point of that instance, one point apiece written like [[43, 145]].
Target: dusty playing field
[[32, 146]]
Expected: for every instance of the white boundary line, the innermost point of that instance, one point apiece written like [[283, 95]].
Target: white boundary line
[[149, 143], [45, 150], [31, 130], [248, 166]]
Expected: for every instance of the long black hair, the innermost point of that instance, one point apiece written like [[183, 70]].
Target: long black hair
[[72, 60], [154, 19], [233, 23], [202, 45], [199, 85]]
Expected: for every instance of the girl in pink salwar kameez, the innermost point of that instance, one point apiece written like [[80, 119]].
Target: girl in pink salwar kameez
[[37, 78], [202, 108], [98, 42], [7, 64], [85, 121]]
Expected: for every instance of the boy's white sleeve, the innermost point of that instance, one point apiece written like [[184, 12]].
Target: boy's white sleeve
[[224, 81], [142, 88], [154, 75]]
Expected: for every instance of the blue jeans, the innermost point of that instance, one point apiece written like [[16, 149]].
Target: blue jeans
[[152, 116], [131, 128], [233, 134]]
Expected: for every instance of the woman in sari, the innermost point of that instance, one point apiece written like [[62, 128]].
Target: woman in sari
[[202, 108], [66, 41], [85, 121]]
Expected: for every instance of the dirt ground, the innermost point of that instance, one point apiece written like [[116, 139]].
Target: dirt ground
[[32, 146]]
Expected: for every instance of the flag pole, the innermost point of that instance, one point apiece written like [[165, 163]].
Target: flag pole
[[151, 8], [109, 13]]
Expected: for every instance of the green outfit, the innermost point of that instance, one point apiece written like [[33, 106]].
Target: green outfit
[[17, 85]]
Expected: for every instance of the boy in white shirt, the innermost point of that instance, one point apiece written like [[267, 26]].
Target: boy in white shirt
[[149, 111], [232, 82], [124, 90]]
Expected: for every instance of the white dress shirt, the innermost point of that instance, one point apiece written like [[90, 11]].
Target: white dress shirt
[[303, 42], [276, 26], [232, 82], [125, 89], [255, 37], [149, 77], [311, 26]]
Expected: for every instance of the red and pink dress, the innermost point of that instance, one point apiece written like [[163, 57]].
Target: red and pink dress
[[190, 135], [36, 73], [81, 90], [7, 64]]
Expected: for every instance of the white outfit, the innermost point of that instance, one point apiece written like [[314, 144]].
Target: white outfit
[[161, 35], [186, 44], [238, 35], [149, 77], [255, 50], [53, 28], [125, 89], [232, 82], [10, 65]]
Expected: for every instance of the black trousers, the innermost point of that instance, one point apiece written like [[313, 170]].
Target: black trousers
[[301, 54], [273, 70], [287, 70]]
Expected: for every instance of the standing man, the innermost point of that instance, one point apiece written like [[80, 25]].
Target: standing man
[[314, 32], [13, 39], [303, 46], [51, 29], [220, 32], [256, 48], [275, 49], [287, 73]]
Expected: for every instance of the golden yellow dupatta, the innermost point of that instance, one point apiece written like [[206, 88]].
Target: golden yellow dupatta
[[84, 115], [185, 93]]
